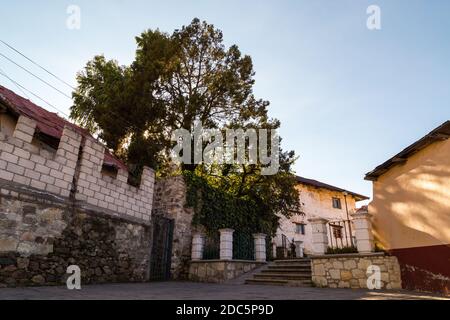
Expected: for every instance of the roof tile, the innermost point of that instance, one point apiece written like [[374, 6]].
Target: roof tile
[[48, 123]]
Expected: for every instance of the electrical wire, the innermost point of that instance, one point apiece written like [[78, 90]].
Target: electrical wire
[[32, 93], [37, 64], [37, 77], [45, 82]]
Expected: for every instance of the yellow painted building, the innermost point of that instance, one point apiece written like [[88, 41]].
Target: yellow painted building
[[411, 210]]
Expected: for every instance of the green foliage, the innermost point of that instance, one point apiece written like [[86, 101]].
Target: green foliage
[[175, 80], [342, 250], [216, 209], [379, 248]]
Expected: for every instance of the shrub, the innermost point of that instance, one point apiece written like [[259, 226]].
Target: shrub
[[350, 249]]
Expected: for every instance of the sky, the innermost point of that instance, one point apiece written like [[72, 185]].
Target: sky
[[348, 98]]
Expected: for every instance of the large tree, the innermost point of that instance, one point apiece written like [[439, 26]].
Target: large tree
[[175, 81]]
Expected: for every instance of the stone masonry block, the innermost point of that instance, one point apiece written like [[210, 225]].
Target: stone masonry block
[[37, 159], [15, 169], [32, 174], [6, 175], [8, 157], [22, 180], [42, 169], [6, 147], [27, 164], [21, 153], [24, 130]]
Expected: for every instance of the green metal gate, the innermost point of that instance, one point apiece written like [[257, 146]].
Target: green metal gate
[[161, 255]]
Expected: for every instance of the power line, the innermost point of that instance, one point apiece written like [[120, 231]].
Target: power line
[[32, 93], [22, 88], [37, 77], [37, 64], [119, 116], [18, 88]]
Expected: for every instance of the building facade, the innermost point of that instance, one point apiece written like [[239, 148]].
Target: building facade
[[411, 210], [317, 200]]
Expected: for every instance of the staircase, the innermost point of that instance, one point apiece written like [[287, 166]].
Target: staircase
[[294, 272]]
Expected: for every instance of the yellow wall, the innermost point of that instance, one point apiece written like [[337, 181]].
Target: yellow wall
[[411, 204]]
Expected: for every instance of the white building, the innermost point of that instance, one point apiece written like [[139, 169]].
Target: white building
[[318, 200]]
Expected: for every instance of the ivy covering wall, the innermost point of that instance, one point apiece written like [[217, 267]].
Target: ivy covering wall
[[216, 209]]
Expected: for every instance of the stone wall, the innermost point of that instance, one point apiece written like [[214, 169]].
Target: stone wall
[[170, 201], [58, 209], [110, 193], [217, 271], [42, 235], [350, 270], [23, 161]]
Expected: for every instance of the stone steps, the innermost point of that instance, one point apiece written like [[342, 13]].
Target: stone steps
[[296, 272], [278, 282], [267, 281], [283, 276], [287, 271], [290, 267], [293, 261]]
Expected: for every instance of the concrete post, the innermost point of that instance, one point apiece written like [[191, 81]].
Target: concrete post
[[226, 244], [319, 235], [299, 249], [363, 231], [260, 247], [198, 243], [274, 249]]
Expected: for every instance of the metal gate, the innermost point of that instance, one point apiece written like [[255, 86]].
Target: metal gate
[[161, 255]]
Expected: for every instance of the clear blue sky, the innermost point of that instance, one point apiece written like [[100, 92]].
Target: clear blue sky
[[348, 98]]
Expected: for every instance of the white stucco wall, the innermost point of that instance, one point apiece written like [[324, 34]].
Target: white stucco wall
[[316, 202]]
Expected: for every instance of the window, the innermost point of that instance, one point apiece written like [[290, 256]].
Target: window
[[109, 171], [337, 232], [300, 228], [7, 123], [337, 203]]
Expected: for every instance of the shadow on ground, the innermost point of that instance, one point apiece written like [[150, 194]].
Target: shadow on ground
[[201, 291]]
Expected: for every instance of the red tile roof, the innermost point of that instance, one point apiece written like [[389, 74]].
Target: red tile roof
[[48, 123], [319, 184], [363, 209]]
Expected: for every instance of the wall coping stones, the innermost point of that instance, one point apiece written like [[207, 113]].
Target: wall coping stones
[[93, 210], [362, 215], [219, 271], [227, 261], [38, 195], [348, 255]]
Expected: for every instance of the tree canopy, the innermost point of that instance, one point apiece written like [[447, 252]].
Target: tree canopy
[[175, 81]]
